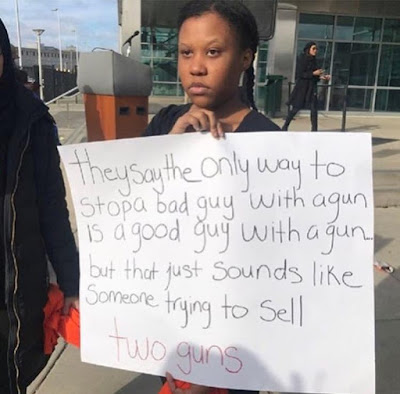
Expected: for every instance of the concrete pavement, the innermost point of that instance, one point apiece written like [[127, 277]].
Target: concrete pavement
[[65, 374]]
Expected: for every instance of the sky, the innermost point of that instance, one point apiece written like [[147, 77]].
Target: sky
[[95, 21]]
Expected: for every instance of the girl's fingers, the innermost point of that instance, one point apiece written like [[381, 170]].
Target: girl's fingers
[[220, 130], [194, 122], [199, 120], [213, 124], [204, 121], [171, 382]]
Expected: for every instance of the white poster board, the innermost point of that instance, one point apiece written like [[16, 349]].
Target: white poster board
[[239, 263]]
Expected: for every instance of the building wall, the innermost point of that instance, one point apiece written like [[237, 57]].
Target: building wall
[[129, 15], [373, 8], [50, 57]]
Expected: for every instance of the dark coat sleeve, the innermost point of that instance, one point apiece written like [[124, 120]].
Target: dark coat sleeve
[[53, 213]]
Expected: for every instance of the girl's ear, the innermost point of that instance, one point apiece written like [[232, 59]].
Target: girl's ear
[[248, 57]]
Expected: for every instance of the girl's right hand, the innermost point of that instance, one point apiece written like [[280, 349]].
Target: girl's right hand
[[194, 389], [318, 72], [198, 120]]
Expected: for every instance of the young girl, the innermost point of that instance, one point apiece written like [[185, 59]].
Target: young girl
[[217, 44]]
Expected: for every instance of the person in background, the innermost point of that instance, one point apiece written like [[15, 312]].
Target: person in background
[[217, 44], [304, 94], [21, 75], [34, 227]]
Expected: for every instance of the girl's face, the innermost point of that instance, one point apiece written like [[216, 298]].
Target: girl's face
[[313, 50], [210, 61]]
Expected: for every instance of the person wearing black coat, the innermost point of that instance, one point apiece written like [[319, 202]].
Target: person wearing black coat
[[304, 94], [34, 227]]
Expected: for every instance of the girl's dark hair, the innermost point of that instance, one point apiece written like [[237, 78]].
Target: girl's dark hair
[[242, 22], [307, 47]]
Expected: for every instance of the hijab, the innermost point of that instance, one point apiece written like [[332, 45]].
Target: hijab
[[310, 58], [8, 86], [306, 49]]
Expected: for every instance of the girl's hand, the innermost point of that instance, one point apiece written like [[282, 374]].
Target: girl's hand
[[194, 388], [318, 72], [326, 77], [70, 301], [198, 120]]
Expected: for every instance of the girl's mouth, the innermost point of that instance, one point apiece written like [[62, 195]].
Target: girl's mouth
[[198, 88]]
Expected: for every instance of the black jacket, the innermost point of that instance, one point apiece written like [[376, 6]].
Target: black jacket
[[306, 83], [164, 121], [36, 229]]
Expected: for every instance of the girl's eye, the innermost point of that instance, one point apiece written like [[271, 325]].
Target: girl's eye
[[185, 52], [213, 52]]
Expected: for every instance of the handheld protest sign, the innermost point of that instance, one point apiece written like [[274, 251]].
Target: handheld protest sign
[[240, 263]]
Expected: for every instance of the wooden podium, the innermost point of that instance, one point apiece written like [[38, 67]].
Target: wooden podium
[[115, 90]]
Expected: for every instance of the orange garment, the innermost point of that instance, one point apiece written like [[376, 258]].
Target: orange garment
[[56, 324], [183, 385]]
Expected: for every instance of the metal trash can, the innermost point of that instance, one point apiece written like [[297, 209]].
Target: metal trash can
[[273, 94]]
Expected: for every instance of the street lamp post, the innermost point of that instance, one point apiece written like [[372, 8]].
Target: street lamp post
[[76, 48], [59, 37], [39, 32], [18, 34]]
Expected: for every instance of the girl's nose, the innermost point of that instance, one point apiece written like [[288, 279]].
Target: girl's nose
[[197, 66]]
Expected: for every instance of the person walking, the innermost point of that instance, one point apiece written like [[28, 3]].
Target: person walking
[[304, 94]]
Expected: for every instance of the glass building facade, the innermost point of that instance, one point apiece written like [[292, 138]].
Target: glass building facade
[[159, 50], [361, 52]]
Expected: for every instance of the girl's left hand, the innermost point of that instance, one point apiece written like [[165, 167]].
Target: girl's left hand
[[70, 301], [194, 388], [326, 77], [197, 119]]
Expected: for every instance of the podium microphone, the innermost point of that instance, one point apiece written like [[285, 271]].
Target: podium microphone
[[136, 33]]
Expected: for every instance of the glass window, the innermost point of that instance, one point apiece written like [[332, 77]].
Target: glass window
[[358, 29], [387, 100], [146, 50], [324, 53], [261, 72], [164, 70], [262, 62], [146, 34], [344, 28], [316, 26], [355, 64], [357, 99], [260, 97], [389, 69], [165, 42], [159, 50], [164, 89], [391, 32]]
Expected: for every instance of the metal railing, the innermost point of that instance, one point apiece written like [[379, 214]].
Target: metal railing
[[75, 89], [344, 106]]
